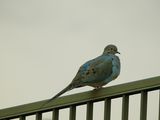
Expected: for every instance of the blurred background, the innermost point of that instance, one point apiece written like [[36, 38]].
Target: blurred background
[[43, 44]]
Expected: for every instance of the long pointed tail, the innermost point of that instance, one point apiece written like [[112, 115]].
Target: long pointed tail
[[69, 87]]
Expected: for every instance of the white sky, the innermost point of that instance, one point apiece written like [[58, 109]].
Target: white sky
[[43, 43]]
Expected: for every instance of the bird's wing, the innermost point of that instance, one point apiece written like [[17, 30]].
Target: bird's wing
[[93, 71]]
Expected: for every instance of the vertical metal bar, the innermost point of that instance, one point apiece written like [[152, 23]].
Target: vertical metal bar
[[107, 109], [38, 116], [143, 112], [72, 115], [22, 118], [55, 114], [89, 111], [125, 107], [159, 106]]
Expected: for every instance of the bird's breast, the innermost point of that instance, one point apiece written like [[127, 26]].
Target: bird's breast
[[115, 67]]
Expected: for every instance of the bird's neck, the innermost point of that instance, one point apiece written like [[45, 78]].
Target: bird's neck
[[105, 53]]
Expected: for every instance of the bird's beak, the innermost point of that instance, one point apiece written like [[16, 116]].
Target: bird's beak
[[118, 52]]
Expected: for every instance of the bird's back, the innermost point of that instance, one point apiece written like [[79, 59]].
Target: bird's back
[[94, 71]]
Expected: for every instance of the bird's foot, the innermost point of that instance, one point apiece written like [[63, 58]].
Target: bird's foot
[[97, 87]]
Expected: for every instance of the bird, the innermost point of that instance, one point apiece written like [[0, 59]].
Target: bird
[[96, 72]]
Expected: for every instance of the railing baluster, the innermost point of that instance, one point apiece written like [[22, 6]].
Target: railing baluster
[[143, 112], [89, 111], [55, 114], [22, 118], [38, 116], [125, 106], [72, 115], [159, 106], [107, 109]]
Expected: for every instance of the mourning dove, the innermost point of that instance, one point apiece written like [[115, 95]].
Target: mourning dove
[[96, 72]]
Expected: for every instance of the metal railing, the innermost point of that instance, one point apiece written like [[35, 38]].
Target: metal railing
[[141, 87]]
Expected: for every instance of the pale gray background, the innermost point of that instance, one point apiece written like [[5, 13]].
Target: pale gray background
[[43, 43]]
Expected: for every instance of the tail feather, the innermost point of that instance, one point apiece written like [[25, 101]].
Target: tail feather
[[69, 87]]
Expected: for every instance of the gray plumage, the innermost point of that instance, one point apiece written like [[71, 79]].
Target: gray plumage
[[96, 72]]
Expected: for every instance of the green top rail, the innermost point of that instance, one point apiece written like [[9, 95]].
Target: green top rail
[[82, 98]]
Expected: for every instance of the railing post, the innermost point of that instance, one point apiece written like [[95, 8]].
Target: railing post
[[22, 118], [125, 106], [72, 115], [55, 114], [89, 111], [159, 106], [107, 109], [38, 116], [143, 112]]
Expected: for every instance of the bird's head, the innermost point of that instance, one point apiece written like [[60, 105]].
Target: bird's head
[[110, 49]]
